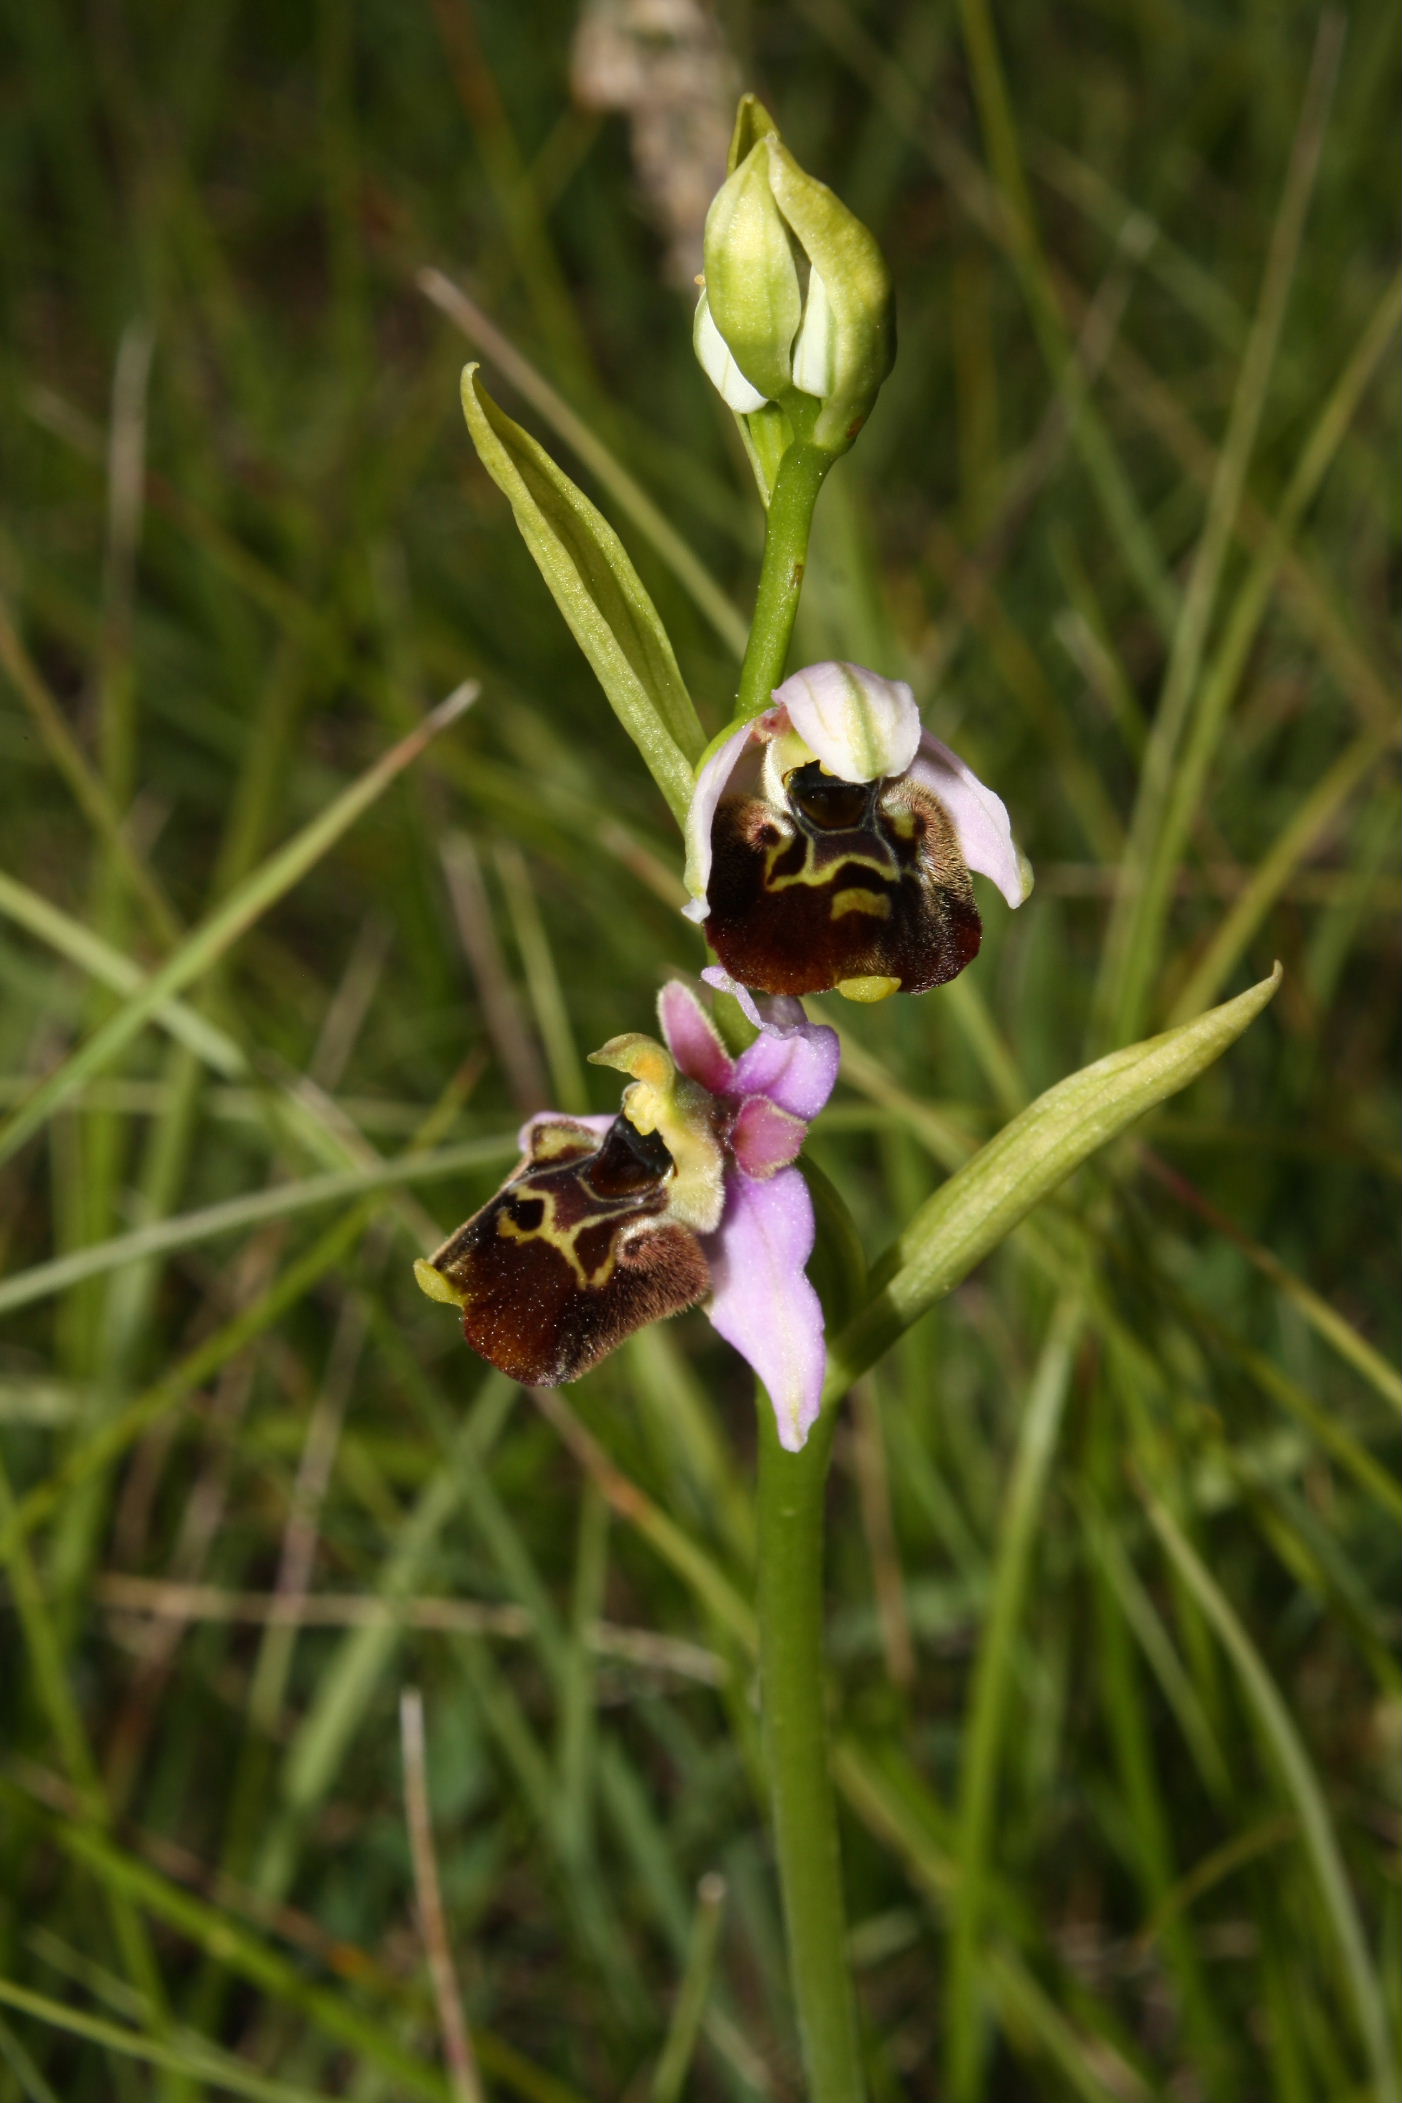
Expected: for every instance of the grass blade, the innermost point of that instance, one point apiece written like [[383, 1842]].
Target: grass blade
[[188, 1229], [226, 923], [992, 1687], [631, 498], [1282, 1741]]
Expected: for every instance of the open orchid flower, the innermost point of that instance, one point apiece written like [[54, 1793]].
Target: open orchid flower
[[611, 1222], [830, 843]]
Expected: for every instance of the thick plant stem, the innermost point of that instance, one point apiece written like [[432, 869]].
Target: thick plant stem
[[792, 1487], [801, 475]]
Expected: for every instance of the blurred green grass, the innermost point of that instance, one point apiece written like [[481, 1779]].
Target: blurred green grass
[[1113, 1638]]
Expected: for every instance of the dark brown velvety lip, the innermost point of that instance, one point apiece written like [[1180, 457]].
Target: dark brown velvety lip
[[798, 903], [573, 1254]]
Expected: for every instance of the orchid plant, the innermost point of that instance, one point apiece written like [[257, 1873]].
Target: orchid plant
[[831, 845]]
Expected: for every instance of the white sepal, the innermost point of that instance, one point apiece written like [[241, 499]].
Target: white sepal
[[720, 367], [815, 346]]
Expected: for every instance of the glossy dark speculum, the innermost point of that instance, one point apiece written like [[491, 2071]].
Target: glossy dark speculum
[[573, 1253], [848, 880]]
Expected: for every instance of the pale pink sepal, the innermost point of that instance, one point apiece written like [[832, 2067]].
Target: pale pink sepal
[[693, 1040], [795, 1067], [979, 818], [782, 1012], [793, 1062], [763, 1304], [767, 1011], [765, 1138], [716, 975]]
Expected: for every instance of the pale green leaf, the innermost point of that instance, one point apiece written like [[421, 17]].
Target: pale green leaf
[[984, 1200], [598, 591], [628, 495]]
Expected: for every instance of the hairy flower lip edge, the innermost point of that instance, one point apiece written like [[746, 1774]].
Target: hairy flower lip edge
[[882, 736]]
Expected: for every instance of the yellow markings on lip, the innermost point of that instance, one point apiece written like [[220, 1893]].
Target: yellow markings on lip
[[564, 1239], [812, 875], [558, 1142], [857, 900], [439, 1286], [868, 990]]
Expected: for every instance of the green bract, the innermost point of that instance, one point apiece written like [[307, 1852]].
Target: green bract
[[981, 1204], [597, 589]]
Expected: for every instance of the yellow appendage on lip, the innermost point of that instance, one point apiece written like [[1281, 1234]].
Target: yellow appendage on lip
[[435, 1284], [868, 990]]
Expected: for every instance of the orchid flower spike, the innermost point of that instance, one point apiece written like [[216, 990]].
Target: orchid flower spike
[[611, 1222], [830, 843]]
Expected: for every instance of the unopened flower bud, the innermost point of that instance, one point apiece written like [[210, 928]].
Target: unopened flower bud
[[797, 301]]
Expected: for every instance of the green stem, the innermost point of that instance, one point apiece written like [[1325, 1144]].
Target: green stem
[[801, 475], [791, 1499]]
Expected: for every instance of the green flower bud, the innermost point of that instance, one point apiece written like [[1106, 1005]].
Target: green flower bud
[[797, 304], [752, 285], [752, 123]]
